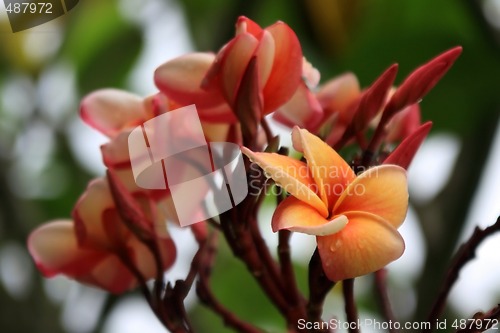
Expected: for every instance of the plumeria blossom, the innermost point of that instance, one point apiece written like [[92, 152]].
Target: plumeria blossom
[[96, 247], [180, 79], [351, 110], [213, 82], [118, 237], [279, 61], [358, 109], [115, 113], [355, 218]]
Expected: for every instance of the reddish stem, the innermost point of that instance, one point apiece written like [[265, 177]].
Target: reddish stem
[[350, 305], [465, 253], [295, 298], [381, 288]]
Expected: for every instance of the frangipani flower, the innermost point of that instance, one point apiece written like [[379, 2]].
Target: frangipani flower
[[116, 113], [354, 110], [212, 82], [279, 62], [91, 247], [113, 112], [180, 80], [355, 218]]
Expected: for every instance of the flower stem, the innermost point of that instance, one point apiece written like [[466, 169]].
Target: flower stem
[[381, 288], [295, 298], [242, 244], [350, 305], [483, 321], [465, 253], [203, 264], [319, 286]]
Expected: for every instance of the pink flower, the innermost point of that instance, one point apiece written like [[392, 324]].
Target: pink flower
[[352, 111], [116, 113], [213, 83], [96, 246]]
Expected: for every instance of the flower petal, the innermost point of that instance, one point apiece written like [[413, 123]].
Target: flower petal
[[180, 79], [295, 215], [265, 57], [373, 99], [215, 132], [292, 175], [287, 67], [310, 75], [111, 110], [234, 61], [382, 191], [143, 259], [303, 110], [330, 171], [110, 274], [115, 153], [54, 248], [366, 244], [406, 150], [403, 124], [244, 24], [421, 81], [221, 113], [128, 210], [88, 214], [336, 95]]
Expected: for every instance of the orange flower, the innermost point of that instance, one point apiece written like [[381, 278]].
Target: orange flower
[[354, 218], [92, 247]]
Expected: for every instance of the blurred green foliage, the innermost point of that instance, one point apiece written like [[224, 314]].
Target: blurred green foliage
[[100, 40], [337, 36]]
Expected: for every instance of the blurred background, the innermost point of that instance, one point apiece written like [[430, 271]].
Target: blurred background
[[47, 155]]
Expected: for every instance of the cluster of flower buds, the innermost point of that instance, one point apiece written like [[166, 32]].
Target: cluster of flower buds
[[118, 238]]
